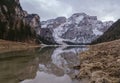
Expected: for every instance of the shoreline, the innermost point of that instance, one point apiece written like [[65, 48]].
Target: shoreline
[[8, 46]]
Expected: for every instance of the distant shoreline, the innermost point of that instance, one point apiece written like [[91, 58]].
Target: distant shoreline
[[8, 46]]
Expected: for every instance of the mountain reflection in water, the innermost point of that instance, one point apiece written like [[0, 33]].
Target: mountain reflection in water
[[41, 65]]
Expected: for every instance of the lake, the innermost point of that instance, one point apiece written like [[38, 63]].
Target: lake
[[48, 64]]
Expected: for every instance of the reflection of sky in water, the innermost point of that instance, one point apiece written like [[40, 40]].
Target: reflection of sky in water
[[58, 67], [60, 60], [49, 78]]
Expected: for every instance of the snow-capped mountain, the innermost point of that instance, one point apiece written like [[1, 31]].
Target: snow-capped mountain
[[80, 28]]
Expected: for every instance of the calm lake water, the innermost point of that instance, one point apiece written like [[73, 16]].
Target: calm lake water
[[41, 65]]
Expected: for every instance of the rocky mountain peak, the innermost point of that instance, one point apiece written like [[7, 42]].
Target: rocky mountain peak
[[78, 14], [107, 23], [53, 23], [76, 18], [80, 28], [33, 20], [90, 17], [61, 19]]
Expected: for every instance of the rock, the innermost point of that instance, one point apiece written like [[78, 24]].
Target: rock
[[53, 23], [98, 76], [33, 20], [16, 24], [101, 80], [80, 28], [76, 67], [46, 36], [118, 60]]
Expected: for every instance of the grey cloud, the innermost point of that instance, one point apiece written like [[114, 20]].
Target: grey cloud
[[104, 9]]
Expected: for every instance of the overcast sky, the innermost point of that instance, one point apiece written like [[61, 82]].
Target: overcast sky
[[104, 9]]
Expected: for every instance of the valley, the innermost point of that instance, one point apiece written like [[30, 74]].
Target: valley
[[77, 48]]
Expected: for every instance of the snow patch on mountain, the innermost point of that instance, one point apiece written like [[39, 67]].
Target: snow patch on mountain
[[97, 32], [57, 33], [79, 28]]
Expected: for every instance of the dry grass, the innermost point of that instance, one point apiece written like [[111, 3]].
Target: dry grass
[[6, 46], [101, 63]]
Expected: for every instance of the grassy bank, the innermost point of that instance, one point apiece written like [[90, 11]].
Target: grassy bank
[[101, 63], [7, 46]]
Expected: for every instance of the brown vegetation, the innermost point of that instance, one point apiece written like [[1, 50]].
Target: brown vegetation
[[6, 46], [101, 63]]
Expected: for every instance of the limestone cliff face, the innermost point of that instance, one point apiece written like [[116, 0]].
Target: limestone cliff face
[[15, 23], [46, 37], [79, 28]]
